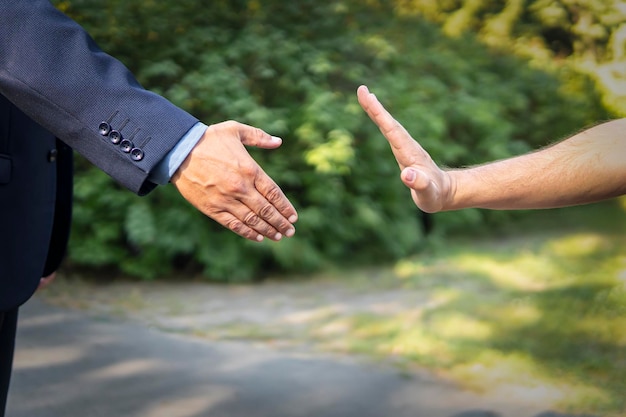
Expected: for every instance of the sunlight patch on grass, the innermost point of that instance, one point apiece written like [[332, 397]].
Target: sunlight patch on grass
[[492, 368], [454, 325], [519, 313], [405, 269], [417, 344], [526, 271], [578, 245], [405, 338], [514, 371]]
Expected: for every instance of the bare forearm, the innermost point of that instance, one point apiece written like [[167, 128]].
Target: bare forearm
[[585, 168]]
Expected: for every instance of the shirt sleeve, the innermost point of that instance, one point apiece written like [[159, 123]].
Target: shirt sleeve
[[165, 169]]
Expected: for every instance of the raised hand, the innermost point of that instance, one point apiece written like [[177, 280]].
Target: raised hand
[[220, 178], [431, 187]]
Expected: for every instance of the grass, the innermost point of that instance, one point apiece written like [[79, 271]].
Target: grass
[[543, 304]]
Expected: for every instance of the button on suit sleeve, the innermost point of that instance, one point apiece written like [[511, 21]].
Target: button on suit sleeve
[[60, 78]]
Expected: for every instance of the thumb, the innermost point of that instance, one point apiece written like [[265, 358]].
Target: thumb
[[411, 178], [424, 190], [253, 136], [414, 179]]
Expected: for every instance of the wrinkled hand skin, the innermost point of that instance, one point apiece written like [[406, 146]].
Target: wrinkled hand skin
[[220, 178]]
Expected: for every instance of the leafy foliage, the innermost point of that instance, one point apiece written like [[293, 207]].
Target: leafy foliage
[[292, 68], [587, 35]]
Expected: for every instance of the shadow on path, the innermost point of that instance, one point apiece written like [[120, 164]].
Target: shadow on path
[[70, 364]]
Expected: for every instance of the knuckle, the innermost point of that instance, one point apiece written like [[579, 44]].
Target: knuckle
[[266, 211], [251, 219], [284, 226], [268, 230], [249, 169], [257, 133], [210, 209], [237, 187], [395, 129], [236, 226], [275, 195]]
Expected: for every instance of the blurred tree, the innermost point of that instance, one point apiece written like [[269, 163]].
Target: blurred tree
[[588, 35], [292, 68]]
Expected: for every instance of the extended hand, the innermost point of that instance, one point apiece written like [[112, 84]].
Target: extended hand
[[431, 188], [220, 178]]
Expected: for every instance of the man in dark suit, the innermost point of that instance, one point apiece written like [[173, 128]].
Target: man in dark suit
[[59, 91]]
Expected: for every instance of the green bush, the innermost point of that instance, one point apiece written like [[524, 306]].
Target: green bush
[[292, 68]]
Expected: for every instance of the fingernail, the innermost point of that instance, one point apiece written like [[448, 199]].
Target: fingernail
[[290, 232], [259, 238], [278, 236], [409, 175], [293, 219], [276, 139]]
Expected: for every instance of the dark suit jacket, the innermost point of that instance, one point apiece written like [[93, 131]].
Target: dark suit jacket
[[56, 83]]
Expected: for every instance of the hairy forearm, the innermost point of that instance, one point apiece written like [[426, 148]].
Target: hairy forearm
[[588, 167]]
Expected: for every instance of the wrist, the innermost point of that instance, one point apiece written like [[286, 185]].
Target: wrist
[[457, 197]]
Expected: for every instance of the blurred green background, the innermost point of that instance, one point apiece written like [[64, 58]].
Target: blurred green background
[[538, 298], [471, 80]]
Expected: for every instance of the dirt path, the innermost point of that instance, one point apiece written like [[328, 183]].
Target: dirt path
[[274, 312], [288, 316], [72, 363]]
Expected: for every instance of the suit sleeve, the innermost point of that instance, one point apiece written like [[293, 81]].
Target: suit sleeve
[[55, 73]]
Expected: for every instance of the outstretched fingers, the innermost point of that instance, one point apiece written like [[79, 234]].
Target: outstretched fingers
[[406, 150], [279, 211], [275, 208], [246, 222], [265, 208], [220, 178], [430, 186]]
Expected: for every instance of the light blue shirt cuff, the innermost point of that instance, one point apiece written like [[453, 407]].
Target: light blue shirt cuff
[[165, 169]]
